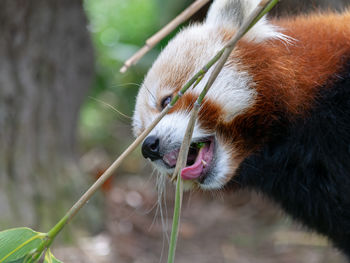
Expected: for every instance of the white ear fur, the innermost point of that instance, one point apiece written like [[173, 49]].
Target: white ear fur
[[232, 13]]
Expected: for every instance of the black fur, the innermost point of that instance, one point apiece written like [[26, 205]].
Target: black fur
[[305, 167]]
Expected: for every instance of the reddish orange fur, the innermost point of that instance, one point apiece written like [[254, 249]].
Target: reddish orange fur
[[291, 73], [209, 113], [288, 75]]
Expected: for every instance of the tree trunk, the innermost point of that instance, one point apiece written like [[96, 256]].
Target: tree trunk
[[46, 68]]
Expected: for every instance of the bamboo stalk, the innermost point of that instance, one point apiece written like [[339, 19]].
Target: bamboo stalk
[[157, 37], [220, 57], [99, 182], [263, 7]]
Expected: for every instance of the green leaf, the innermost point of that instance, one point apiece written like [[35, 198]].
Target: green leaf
[[17, 243], [20, 260], [49, 258]]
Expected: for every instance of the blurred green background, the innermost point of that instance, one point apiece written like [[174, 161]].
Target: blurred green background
[[118, 29], [235, 228], [38, 149]]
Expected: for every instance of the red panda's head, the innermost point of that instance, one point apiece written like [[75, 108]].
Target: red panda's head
[[217, 148]]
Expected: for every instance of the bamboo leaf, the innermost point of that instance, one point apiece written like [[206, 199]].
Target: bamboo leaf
[[49, 258], [20, 260], [17, 243]]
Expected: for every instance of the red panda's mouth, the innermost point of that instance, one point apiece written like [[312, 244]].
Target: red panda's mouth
[[199, 159]]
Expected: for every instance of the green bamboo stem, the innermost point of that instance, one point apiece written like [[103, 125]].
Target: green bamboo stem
[[197, 76], [109, 172], [176, 220], [221, 58], [267, 9], [180, 164], [92, 190], [263, 7]]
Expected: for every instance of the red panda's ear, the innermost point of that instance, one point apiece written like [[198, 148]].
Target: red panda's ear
[[232, 13]]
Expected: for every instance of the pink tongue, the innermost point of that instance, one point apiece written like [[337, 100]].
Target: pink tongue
[[195, 170]]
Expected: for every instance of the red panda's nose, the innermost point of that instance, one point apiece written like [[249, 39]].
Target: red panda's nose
[[150, 148]]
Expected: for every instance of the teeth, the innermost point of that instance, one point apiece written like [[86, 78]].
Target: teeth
[[204, 163]]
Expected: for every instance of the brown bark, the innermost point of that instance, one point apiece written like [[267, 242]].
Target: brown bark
[[46, 67]]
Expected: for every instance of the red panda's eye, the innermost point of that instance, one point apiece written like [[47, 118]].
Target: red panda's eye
[[165, 101]]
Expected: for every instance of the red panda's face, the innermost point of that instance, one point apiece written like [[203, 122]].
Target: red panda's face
[[213, 157], [211, 160]]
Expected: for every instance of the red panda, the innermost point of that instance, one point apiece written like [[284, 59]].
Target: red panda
[[276, 120]]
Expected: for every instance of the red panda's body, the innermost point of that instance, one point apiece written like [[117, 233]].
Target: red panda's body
[[277, 120]]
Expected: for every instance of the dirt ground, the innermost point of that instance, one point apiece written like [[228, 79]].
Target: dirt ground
[[241, 228]]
